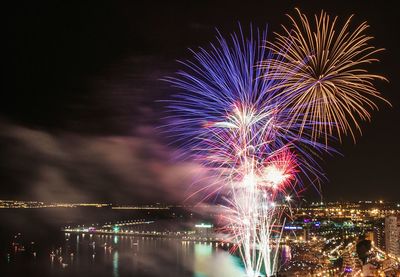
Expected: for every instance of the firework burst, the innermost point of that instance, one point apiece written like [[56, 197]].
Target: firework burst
[[325, 81], [252, 114], [231, 121]]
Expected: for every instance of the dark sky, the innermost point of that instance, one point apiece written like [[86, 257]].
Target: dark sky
[[81, 80]]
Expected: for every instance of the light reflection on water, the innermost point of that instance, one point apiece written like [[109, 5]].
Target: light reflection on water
[[119, 256], [115, 264], [122, 256], [201, 254], [208, 262]]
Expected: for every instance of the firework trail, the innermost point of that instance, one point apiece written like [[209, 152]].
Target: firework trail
[[324, 77], [253, 114], [230, 120]]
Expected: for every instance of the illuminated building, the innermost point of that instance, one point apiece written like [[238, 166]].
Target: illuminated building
[[379, 234], [369, 236], [392, 235], [204, 229]]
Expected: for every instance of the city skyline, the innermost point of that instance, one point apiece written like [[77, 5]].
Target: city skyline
[[319, 240]]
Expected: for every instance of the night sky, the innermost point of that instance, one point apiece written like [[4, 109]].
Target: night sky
[[81, 83]]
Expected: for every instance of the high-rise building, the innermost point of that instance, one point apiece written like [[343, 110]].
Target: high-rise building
[[379, 234], [392, 235]]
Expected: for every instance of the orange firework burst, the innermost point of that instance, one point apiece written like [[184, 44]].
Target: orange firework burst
[[322, 75]]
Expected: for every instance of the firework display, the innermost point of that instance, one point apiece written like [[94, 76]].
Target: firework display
[[324, 78], [253, 114]]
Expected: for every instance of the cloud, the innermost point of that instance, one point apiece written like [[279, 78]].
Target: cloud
[[66, 166]]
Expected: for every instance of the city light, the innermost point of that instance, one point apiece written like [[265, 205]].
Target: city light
[[202, 225]]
